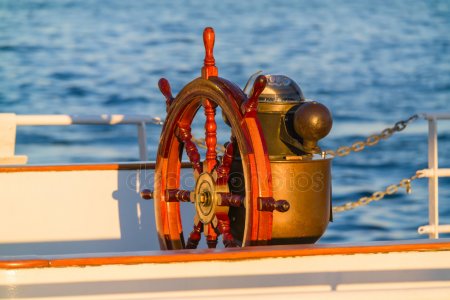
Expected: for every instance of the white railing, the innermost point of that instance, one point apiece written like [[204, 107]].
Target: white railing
[[9, 122], [433, 173]]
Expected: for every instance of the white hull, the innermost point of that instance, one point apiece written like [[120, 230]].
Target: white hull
[[57, 249]]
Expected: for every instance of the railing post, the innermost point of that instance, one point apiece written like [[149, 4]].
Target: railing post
[[142, 137], [8, 140], [433, 201]]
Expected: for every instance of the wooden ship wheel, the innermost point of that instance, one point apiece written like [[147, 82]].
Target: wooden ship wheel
[[214, 195]]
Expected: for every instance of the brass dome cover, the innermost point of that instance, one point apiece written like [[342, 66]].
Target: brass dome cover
[[281, 89]]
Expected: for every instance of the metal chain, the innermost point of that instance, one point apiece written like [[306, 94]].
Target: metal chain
[[358, 146], [346, 150], [373, 139], [342, 151], [390, 190]]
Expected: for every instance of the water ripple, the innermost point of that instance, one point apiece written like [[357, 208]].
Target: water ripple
[[371, 62]]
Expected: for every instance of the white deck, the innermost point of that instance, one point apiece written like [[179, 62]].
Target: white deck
[[396, 275]]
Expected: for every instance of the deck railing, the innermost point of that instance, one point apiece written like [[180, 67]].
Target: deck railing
[[433, 173], [9, 122]]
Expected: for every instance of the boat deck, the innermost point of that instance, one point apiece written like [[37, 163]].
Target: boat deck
[[258, 252], [403, 270]]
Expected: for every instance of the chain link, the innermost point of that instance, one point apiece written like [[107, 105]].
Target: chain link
[[390, 190], [373, 139]]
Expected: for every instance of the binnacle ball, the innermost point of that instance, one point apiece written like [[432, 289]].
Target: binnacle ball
[[312, 122]]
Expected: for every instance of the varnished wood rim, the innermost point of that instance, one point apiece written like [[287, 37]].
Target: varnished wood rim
[[230, 254], [83, 167]]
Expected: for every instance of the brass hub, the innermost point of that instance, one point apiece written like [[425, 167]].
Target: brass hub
[[205, 198]]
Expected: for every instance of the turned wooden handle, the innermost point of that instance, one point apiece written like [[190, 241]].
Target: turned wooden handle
[[208, 41], [258, 87], [270, 204], [209, 65], [164, 87], [147, 194]]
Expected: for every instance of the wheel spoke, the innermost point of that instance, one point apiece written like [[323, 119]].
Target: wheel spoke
[[210, 134], [174, 195], [223, 225], [195, 235], [224, 168], [211, 237], [184, 134], [230, 199]]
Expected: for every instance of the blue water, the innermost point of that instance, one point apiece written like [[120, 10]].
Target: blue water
[[371, 62]]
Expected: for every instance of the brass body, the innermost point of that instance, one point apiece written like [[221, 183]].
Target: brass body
[[306, 185], [272, 117], [304, 181], [291, 127]]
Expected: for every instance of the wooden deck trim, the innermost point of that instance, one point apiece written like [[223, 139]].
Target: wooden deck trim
[[233, 254], [83, 167]]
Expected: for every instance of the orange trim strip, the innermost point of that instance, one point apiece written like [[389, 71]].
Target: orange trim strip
[[231, 254], [83, 167]]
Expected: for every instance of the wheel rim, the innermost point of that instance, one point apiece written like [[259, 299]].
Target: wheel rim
[[210, 216]]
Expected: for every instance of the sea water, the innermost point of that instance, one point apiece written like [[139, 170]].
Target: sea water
[[372, 63]]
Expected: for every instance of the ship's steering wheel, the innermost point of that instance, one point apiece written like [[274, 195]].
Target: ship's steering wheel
[[214, 194]]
